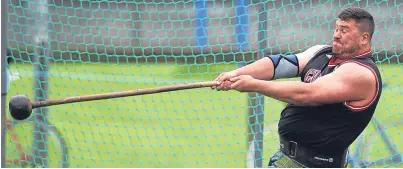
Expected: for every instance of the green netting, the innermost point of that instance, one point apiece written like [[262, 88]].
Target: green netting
[[108, 46]]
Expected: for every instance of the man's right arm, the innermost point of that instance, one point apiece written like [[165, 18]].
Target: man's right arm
[[274, 66], [265, 68]]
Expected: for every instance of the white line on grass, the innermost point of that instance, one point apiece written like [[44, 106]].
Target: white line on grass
[[14, 76]]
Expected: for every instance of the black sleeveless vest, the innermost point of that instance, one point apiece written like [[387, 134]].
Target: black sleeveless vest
[[332, 126]]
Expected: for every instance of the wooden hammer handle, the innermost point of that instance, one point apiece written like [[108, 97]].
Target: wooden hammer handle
[[124, 93]]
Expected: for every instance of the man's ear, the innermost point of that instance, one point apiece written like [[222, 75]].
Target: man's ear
[[365, 38]]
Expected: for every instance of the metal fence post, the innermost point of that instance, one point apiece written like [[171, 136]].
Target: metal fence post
[[255, 100], [4, 22], [41, 68]]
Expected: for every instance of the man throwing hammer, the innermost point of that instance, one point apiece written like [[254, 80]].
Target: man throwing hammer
[[339, 91]]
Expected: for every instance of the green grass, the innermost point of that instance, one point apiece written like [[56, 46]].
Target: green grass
[[190, 128]]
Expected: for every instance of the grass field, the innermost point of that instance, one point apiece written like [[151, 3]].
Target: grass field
[[192, 128]]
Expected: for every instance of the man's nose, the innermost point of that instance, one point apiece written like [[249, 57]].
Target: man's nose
[[336, 35]]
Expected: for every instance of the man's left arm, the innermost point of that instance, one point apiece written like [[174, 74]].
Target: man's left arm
[[349, 82]]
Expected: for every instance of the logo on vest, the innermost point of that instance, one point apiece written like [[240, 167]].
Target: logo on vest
[[312, 75], [330, 160]]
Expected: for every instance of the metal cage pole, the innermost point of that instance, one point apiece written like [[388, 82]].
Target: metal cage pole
[[4, 21], [258, 125], [40, 12], [255, 119]]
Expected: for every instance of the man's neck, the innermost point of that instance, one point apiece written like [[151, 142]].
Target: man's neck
[[362, 51]]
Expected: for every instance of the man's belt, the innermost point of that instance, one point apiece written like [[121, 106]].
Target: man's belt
[[313, 159]]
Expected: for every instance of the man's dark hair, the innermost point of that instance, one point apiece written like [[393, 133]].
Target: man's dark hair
[[362, 17]]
